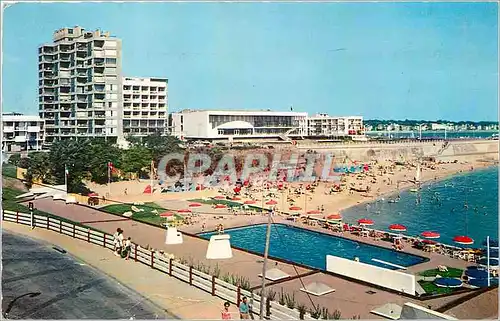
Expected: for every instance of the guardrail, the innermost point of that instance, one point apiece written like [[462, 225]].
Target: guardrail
[[153, 259]]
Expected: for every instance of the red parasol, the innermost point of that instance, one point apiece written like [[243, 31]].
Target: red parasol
[[194, 205], [236, 199], [314, 212], [429, 242], [93, 195], [462, 239], [334, 217], [271, 202], [430, 235], [397, 227], [365, 221], [295, 208], [220, 197], [237, 189], [220, 206], [167, 214], [249, 202], [184, 210]]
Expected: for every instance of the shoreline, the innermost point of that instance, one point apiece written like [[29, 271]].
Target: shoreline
[[425, 182]]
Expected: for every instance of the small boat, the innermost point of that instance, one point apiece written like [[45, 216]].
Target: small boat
[[414, 190]]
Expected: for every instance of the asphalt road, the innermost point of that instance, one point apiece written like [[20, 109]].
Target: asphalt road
[[39, 282]]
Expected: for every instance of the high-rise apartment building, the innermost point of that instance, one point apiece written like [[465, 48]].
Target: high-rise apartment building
[[80, 85], [145, 103]]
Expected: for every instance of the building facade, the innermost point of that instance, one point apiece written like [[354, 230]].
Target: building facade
[[80, 85], [238, 125], [22, 133], [145, 102], [323, 125]]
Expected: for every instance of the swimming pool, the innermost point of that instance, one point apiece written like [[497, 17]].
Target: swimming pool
[[310, 248]]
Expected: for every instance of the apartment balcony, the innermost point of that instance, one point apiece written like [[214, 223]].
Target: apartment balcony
[[20, 139], [9, 129], [99, 79], [33, 129]]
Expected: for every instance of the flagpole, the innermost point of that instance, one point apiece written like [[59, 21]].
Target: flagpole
[[151, 175], [488, 259], [66, 178], [109, 179]]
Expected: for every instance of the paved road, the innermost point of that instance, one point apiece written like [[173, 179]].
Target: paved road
[[39, 282]]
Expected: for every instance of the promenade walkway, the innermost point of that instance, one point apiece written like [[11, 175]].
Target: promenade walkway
[[350, 298], [175, 296]]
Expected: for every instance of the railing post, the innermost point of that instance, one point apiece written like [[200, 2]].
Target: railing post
[[74, 230], [152, 259], [88, 235], [213, 285], [190, 275], [135, 252], [17, 217], [171, 261], [48, 227], [104, 241], [60, 227], [238, 296], [3, 215]]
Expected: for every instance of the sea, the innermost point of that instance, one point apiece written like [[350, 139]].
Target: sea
[[463, 204], [477, 134]]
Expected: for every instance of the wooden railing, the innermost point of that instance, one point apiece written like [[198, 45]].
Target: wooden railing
[[155, 260]]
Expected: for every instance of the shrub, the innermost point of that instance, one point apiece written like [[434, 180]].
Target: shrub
[[282, 299], [315, 312], [290, 300], [216, 271], [302, 310]]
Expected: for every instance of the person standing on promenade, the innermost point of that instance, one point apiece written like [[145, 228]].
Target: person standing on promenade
[[226, 315], [128, 247], [118, 241], [244, 309]]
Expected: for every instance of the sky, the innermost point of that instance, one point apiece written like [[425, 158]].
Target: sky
[[378, 60]]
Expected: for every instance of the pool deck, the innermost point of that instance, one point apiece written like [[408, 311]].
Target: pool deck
[[350, 297]]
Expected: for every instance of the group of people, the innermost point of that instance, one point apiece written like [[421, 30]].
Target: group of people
[[122, 247], [245, 310]]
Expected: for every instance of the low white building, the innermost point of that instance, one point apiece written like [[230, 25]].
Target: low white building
[[22, 133], [145, 106], [323, 125], [238, 125]]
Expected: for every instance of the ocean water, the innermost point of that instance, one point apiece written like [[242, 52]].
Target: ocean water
[[465, 204], [437, 134]]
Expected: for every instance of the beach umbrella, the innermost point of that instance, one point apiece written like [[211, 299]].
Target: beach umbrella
[[194, 205], [220, 206], [431, 242], [236, 199], [334, 217], [271, 202], [295, 208], [314, 212], [483, 283], [184, 210], [93, 195], [476, 273], [484, 261], [462, 239], [430, 235], [167, 214], [365, 221], [220, 197], [397, 227], [249, 202]]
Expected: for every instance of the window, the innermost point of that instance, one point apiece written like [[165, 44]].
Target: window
[[111, 61], [110, 43], [70, 31], [110, 53]]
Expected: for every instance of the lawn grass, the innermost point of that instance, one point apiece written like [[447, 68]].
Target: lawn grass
[[145, 216], [452, 273], [214, 201], [431, 288]]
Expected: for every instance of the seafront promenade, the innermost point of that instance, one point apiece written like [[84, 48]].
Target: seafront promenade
[[357, 300], [176, 297]]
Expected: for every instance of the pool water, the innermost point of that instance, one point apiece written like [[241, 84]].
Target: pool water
[[310, 248]]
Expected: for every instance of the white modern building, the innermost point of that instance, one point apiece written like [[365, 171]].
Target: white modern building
[[22, 133], [145, 102], [323, 125], [238, 125], [80, 85]]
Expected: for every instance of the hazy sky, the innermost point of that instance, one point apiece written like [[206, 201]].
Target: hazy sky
[[379, 60]]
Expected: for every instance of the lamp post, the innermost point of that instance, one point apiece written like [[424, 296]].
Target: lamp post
[[488, 260], [264, 265]]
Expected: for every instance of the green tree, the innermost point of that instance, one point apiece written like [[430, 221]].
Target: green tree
[[102, 152], [136, 159], [159, 145], [15, 159], [39, 168]]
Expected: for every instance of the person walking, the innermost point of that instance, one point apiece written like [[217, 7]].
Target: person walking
[[244, 309], [128, 248], [226, 315]]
